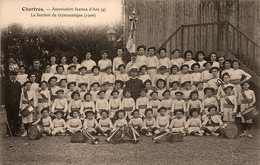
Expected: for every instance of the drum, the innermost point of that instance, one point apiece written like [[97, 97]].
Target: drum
[[78, 138], [250, 113], [26, 111], [229, 131], [117, 135], [35, 132]]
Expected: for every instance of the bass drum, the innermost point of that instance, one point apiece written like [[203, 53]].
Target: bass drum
[[250, 113], [229, 131], [35, 132]]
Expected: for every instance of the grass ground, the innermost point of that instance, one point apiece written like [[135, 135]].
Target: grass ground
[[193, 150]]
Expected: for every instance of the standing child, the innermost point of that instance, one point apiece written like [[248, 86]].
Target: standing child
[[88, 104], [213, 59], [161, 87], [72, 75], [163, 60], [142, 102], [199, 87], [209, 101], [94, 91], [83, 77], [59, 124], [213, 81], [53, 63], [74, 124], [102, 103], [155, 103], [200, 55], [88, 62], [162, 74], [117, 61], [37, 70], [128, 103], [109, 77], [60, 72], [107, 90], [43, 97], [167, 101], [48, 73], [96, 76], [28, 99], [152, 63], [105, 125], [32, 78], [53, 87], [227, 68], [121, 74], [221, 93], [76, 104], [141, 58], [136, 122], [186, 91], [162, 121], [206, 76], [133, 63], [149, 123], [63, 62], [143, 73], [228, 105], [22, 76], [148, 87], [90, 123], [45, 121], [179, 103], [114, 104], [60, 103], [63, 85], [194, 125], [188, 59], [176, 59], [247, 100], [213, 122], [196, 74], [72, 87], [175, 86], [75, 59], [118, 86], [104, 62], [83, 90], [174, 76], [185, 76], [194, 102], [178, 123]]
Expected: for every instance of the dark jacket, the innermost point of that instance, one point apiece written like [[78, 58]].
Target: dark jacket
[[135, 85], [12, 93]]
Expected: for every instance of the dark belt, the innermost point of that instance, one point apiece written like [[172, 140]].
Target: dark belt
[[154, 107], [114, 108], [104, 125], [41, 100], [162, 125], [88, 108], [142, 106], [128, 108], [152, 67], [75, 109]]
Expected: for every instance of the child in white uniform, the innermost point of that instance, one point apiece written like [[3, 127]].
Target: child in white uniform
[[149, 123], [142, 102], [178, 123], [194, 125]]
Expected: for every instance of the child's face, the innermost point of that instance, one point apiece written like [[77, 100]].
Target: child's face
[[195, 114], [95, 87], [109, 71], [148, 85], [174, 70], [28, 86], [45, 113], [200, 57], [53, 59], [117, 86], [63, 83], [196, 68], [22, 69], [95, 71], [245, 86], [63, 60], [143, 94], [44, 86], [53, 82], [179, 115], [209, 93], [227, 64], [162, 53], [167, 95], [88, 55], [162, 112], [115, 95], [90, 115], [161, 84], [72, 70], [194, 96], [76, 96], [32, 78], [229, 91], [149, 114], [127, 94], [214, 72], [102, 95], [188, 56], [72, 87], [184, 70], [104, 55], [48, 69], [155, 96], [213, 57], [133, 74], [235, 65], [221, 60], [174, 86], [83, 88], [60, 70], [74, 59], [136, 115], [176, 54], [104, 115], [133, 58], [200, 86], [141, 51], [88, 98], [58, 115], [178, 96], [151, 52], [119, 52], [106, 87], [187, 86], [60, 95], [122, 70], [226, 79], [161, 71], [208, 66], [36, 64], [143, 70], [121, 115], [83, 71], [212, 111]]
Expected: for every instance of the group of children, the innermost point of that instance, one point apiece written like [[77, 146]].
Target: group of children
[[154, 95]]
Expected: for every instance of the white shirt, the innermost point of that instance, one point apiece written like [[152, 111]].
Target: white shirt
[[116, 62], [89, 64]]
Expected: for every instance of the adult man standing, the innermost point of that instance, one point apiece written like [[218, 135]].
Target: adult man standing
[[11, 100]]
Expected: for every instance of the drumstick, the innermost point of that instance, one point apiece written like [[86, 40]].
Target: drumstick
[[9, 128]]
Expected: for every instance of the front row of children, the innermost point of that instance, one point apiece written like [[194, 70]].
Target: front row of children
[[148, 126]]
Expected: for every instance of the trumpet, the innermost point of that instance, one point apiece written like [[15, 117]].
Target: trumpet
[[88, 135], [134, 135], [108, 140]]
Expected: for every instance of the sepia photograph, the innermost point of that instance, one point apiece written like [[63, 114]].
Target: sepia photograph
[[130, 82]]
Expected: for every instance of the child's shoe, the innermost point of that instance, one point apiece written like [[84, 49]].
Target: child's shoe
[[24, 134], [249, 135], [149, 134], [215, 134], [243, 134], [105, 134], [198, 134]]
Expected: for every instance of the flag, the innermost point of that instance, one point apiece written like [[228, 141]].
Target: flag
[[130, 45]]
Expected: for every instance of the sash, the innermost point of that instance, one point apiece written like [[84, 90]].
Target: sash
[[42, 95], [211, 122], [235, 81], [245, 99], [228, 101]]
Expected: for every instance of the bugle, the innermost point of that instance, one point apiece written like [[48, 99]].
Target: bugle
[[88, 135]]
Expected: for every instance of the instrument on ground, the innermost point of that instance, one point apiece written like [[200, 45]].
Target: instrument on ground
[[78, 137], [250, 113], [134, 132], [229, 131], [88, 135], [175, 137], [116, 135], [155, 140], [27, 110], [35, 132]]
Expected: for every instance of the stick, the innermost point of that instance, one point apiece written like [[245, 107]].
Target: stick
[[134, 134], [9, 128], [158, 137]]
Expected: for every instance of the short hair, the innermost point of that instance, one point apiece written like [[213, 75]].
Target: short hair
[[88, 52], [213, 53], [36, 59], [161, 50], [119, 48], [175, 50], [188, 51]]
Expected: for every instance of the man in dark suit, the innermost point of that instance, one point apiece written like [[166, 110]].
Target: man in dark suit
[[37, 70], [134, 83], [11, 100]]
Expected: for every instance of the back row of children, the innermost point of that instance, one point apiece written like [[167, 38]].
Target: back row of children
[[145, 82]]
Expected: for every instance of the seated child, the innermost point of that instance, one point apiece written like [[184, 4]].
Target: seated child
[[136, 122], [88, 104], [143, 73], [194, 125], [174, 76], [167, 101], [105, 87], [109, 77], [59, 125], [148, 87], [83, 90], [83, 77], [90, 123], [194, 102], [74, 124], [155, 103], [186, 91], [213, 122], [45, 121], [114, 104], [149, 123], [128, 103], [60, 103], [162, 122], [102, 103], [72, 76], [175, 86], [178, 123], [142, 102], [76, 104], [179, 103], [94, 91], [161, 87], [104, 124], [122, 75], [118, 86], [63, 85], [72, 88]]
